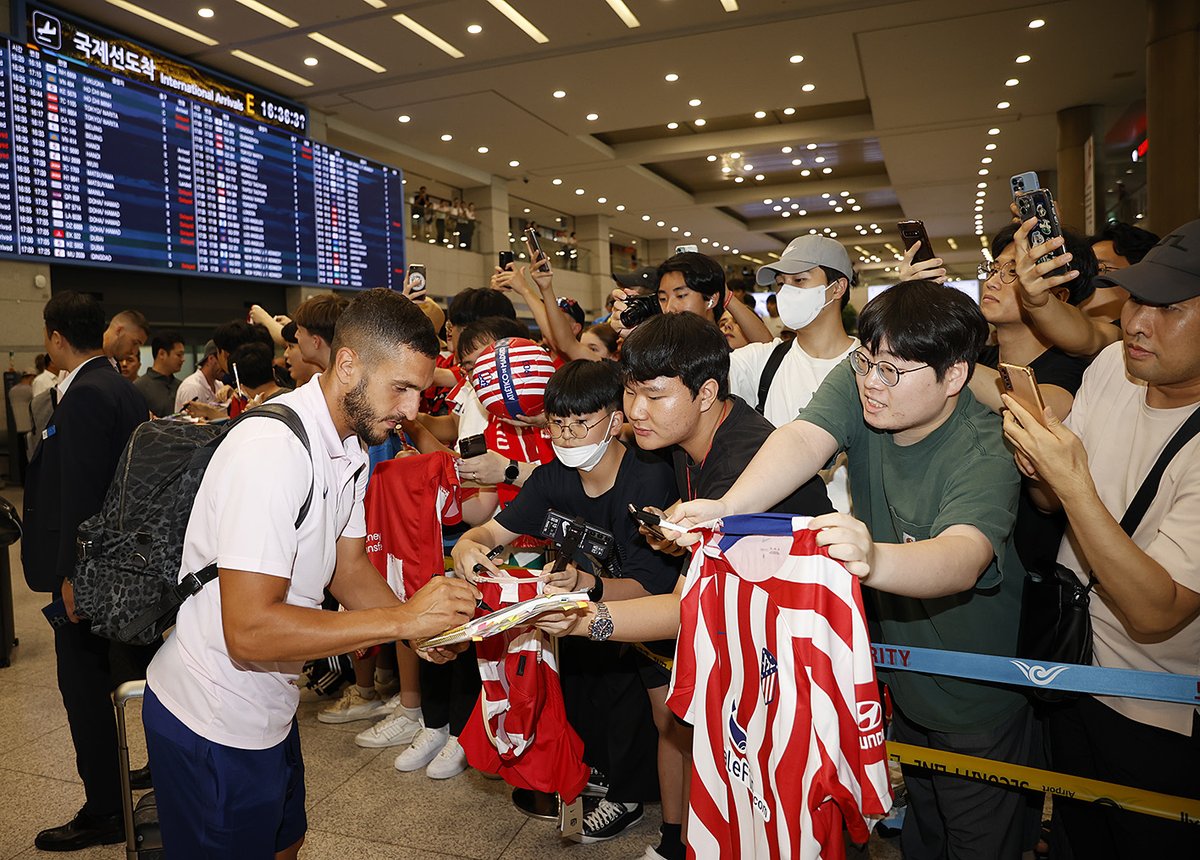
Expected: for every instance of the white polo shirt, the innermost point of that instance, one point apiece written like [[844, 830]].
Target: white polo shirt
[[243, 518]]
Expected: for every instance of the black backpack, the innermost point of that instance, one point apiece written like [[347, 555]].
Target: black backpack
[[129, 555]]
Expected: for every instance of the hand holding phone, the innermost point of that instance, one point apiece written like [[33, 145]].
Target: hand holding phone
[[414, 286], [531, 240], [1021, 384], [1039, 204], [912, 232]]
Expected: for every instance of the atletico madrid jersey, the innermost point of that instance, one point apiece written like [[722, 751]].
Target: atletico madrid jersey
[[773, 668]]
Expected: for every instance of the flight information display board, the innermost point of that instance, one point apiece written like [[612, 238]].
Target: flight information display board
[[96, 168]]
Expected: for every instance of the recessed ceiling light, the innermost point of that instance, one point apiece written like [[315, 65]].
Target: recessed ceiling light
[[827, 170], [672, 125], [786, 150], [982, 185], [787, 200], [990, 147], [796, 162], [788, 111], [855, 208], [556, 182], [592, 117], [580, 191], [843, 193], [694, 103], [808, 88], [205, 12], [687, 234], [777, 208], [983, 171], [759, 177], [985, 160], [671, 78], [674, 229], [660, 223], [760, 114], [526, 210], [747, 167], [163, 22], [811, 146], [311, 61], [1012, 82], [447, 137], [404, 118], [601, 199], [620, 207], [795, 58], [1036, 24], [739, 179], [805, 172], [1024, 58], [353, 56], [726, 169], [267, 12], [698, 122], [474, 29], [735, 155], [712, 158], [1003, 105], [645, 217], [522, 23], [820, 159], [825, 195], [993, 131], [838, 209], [559, 94], [514, 163]]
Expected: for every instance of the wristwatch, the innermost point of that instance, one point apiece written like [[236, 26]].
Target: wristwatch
[[596, 592], [602, 626], [512, 472]]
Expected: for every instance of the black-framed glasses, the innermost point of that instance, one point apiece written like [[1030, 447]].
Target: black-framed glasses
[[1008, 274], [887, 372], [572, 429]]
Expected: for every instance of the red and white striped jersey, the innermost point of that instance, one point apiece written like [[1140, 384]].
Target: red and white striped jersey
[[773, 668]]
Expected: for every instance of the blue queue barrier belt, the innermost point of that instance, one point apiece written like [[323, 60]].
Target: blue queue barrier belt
[[1041, 674]]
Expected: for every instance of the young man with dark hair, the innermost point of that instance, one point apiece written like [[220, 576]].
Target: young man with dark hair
[[220, 699], [316, 326], [95, 411], [158, 384], [1117, 246], [256, 372], [472, 304], [201, 385], [935, 492], [300, 370], [596, 476], [126, 333]]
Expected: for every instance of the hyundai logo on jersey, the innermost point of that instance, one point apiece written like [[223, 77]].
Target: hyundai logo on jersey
[[769, 674]]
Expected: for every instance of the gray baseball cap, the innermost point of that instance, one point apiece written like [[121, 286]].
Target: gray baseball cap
[[1169, 273], [804, 253]]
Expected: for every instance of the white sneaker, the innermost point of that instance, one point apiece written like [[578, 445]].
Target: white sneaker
[[391, 703], [387, 690], [352, 706], [425, 747], [451, 761], [392, 731]]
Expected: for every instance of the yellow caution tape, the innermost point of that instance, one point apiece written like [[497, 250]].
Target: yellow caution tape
[[1064, 785]]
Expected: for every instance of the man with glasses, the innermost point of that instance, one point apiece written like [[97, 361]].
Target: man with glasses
[[935, 491]]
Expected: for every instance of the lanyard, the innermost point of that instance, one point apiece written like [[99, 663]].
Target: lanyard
[[687, 470]]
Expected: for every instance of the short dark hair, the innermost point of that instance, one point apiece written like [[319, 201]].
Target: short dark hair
[[78, 317], [1083, 260], [683, 345], [606, 334], [254, 364], [581, 387], [701, 273], [380, 320], [319, 315], [488, 330], [1129, 241], [137, 319], [229, 336], [926, 322], [475, 303], [164, 341], [832, 275]]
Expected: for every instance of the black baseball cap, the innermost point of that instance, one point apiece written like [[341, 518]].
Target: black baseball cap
[[646, 277], [1169, 273]]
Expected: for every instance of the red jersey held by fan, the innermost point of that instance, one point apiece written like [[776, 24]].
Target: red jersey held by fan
[[773, 668]]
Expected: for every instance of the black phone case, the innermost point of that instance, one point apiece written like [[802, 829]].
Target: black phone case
[[1040, 203]]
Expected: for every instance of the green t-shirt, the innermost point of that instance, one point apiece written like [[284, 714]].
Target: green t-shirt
[[960, 474]]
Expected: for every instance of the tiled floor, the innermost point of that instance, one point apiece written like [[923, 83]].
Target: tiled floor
[[359, 805]]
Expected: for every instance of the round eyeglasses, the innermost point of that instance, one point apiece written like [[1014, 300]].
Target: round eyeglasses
[[1008, 274], [887, 372], [570, 430]]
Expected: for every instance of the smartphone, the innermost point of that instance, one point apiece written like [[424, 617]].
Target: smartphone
[[1039, 203], [562, 528], [535, 248], [56, 612], [687, 249], [647, 518], [1026, 181], [506, 259], [1020, 382], [912, 232], [416, 276], [472, 446]]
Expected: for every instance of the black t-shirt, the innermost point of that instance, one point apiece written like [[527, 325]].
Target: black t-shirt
[[1037, 534], [734, 445], [643, 479]]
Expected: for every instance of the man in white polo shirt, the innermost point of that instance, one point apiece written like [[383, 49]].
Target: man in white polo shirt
[[221, 700]]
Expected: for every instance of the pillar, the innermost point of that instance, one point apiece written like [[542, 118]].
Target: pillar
[[1076, 126], [1173, 113]]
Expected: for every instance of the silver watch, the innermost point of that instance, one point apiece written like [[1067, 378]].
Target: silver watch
[[601, 627]]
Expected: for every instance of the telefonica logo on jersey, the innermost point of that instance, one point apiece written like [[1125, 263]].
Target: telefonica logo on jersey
[[738, 766]]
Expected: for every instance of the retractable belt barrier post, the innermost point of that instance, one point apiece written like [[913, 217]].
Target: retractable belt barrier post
[[1041, 674]]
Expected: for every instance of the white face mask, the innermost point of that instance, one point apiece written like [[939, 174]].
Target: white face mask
[[583, 457], [799, 306]]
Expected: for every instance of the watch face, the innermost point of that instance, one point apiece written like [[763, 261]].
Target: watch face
[[512, 472]]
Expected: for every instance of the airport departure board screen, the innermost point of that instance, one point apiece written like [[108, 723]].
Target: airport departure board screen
[[96, 168]]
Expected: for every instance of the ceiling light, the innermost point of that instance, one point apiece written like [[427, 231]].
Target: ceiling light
[[205, 12], [795, 58], [1036, 24], [735, 155], [993, 131], [627, 17], [483, 150], [789, 111], [990, 147], [729, 5], [671, 78], [645, 217], [601, 200], [827, 170], [1003, 105], [1024, 58], [404, 118], [825, 196], [811, 146], [559, 94], [580, 191], [983, 171], [787, 200], [981, 185], [777, 208], [687, 234], [377, 4], [855, 208], [272, 68], [620, 207], [843, 193], [837, 209], [592, 117], [985, 160], [786, 150], [739, 179], [767, 201], [556, 182], [447, 137], [474, 29], [514, 163], [311, 61], [163, 22], [698, 122], [322, 39], [672, 125], [674, 229], [795, 205], [726, 169], [851, 200], [805, 172], [694, 103], [981, 194], [808, 88], [712, 158], [268, 12], [525, 25], [796, 162], [1011, 82], [758, 177], [747, 167], [760, 114], [820, 159], [724, 247], [660, 223]]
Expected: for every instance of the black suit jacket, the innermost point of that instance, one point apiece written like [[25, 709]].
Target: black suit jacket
[[73, 466]]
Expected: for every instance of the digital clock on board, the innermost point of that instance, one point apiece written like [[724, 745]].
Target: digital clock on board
[[282, 114]]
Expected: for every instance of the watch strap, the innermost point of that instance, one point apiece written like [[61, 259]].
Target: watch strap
[[596, 592]]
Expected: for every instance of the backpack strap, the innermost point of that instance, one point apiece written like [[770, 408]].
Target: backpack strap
[[1149, 488], [768, 375]]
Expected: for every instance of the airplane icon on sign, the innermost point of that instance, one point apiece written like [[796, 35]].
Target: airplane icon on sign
[[47, 30]]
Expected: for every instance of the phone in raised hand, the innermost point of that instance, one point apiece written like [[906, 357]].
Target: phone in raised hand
[[1026, 181], [535, 249], [416, 280], [912, 232]]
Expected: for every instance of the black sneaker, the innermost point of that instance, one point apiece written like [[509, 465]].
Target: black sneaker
[[609, 819], [597, 784]]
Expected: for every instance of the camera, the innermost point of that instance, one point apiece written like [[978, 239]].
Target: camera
[[639, 309]]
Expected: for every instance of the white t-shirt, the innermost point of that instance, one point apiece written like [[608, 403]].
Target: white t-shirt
[[472, 416], [44, 381], [798, 378], [243, 519], [195, 387], [1123, 438]]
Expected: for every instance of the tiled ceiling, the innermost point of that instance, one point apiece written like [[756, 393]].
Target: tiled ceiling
[[898, 98]]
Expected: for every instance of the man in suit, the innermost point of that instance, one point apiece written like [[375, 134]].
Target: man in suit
[[95, 412]]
